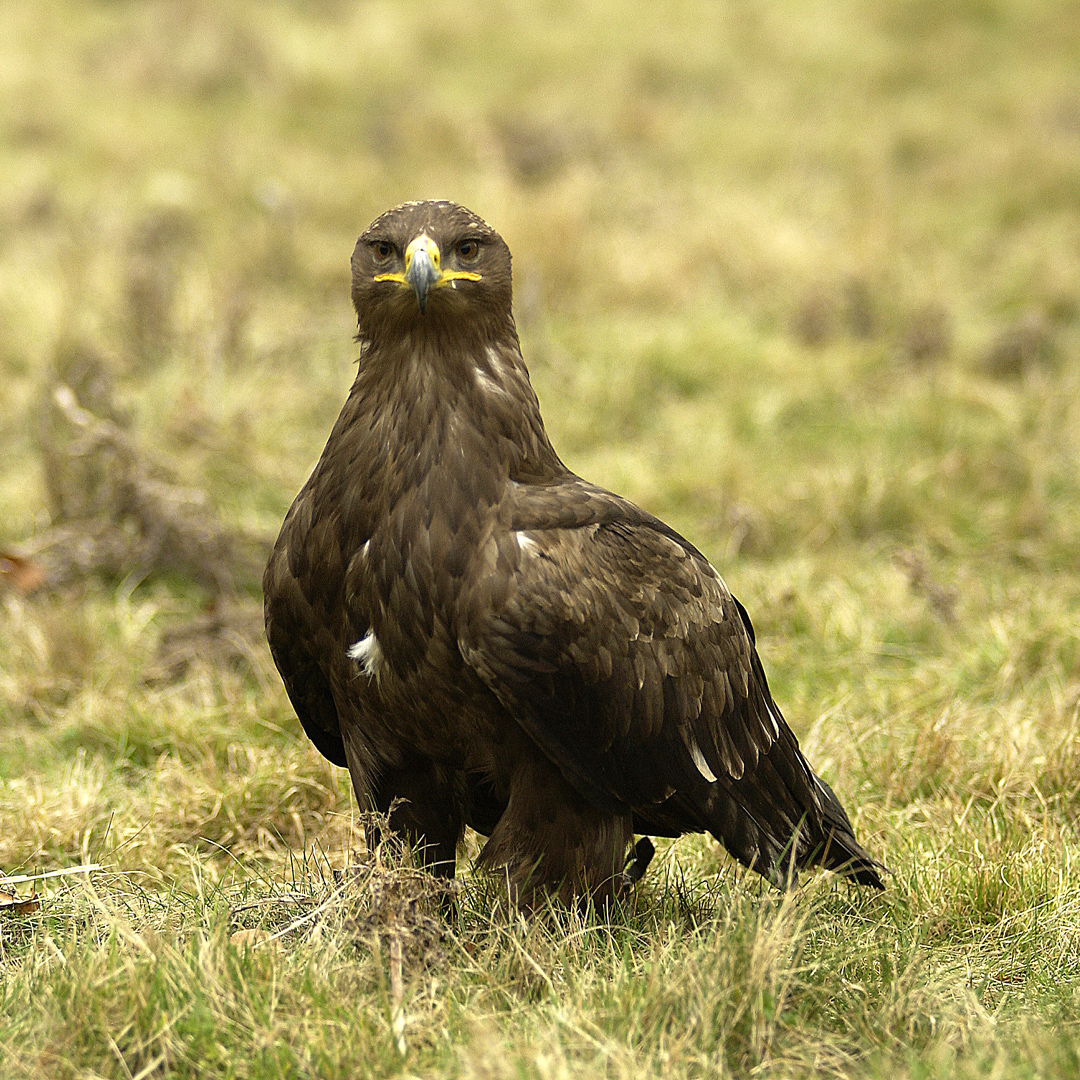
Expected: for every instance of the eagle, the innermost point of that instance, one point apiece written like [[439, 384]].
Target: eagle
[[487, 640]]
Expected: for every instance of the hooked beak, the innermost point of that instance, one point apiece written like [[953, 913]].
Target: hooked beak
[[423, 271], [422, 267]]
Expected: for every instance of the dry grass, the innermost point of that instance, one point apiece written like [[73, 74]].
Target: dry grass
[[802, 278]]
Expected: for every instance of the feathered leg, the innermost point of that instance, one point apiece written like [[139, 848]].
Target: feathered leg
[[418, 800], [552, 842]]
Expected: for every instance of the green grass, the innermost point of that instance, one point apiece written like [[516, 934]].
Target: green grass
[[802, 278]]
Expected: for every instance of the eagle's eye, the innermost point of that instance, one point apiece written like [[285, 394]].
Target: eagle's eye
[[468, 250], [382, 249]]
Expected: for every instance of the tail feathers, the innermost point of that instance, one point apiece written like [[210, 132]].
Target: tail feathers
[[768, 829], [776, 819], [841, 851], [846, 856]]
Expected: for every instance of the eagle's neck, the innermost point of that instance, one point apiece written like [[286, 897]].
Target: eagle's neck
[[418, 467], [463, 416]]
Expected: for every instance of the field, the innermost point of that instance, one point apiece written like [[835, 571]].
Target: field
[[802, 278]]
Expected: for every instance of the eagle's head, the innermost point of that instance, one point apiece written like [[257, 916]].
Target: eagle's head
[[424, 265]]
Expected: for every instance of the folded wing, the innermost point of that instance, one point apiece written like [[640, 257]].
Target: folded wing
[[618, 648]]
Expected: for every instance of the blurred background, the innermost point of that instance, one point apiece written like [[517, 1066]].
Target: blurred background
[[801, 277]]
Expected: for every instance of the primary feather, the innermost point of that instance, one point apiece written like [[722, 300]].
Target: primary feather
[[486, 639]]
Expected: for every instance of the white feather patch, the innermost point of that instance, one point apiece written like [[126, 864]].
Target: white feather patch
[[487, 383], [367, 652], [526, 543], [495, 359], [700, 763], [775, 722]]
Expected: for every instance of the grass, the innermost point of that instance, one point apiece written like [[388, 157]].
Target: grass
[[802, 278]]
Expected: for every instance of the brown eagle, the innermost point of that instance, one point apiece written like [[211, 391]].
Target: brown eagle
[[486, 639]]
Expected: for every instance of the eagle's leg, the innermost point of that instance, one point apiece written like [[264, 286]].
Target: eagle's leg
[[551, 842], [418, 801]]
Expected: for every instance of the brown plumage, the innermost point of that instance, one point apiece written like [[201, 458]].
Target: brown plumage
[[486, 639]]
